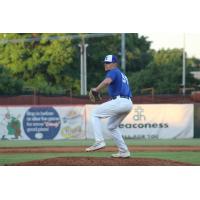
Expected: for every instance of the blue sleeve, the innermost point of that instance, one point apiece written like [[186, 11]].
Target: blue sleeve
[[111, 74]]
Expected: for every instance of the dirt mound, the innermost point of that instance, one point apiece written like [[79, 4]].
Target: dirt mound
[[93, 161]]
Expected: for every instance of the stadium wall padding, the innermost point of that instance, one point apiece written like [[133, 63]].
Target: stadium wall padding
[[197, 120], [151, 121]]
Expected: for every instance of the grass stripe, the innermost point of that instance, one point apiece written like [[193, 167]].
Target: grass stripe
[[190, 157], [135, 142]]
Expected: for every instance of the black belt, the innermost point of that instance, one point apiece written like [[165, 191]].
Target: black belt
[[121, 96]]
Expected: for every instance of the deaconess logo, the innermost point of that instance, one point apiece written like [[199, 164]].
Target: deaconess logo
[[139, 114], [140, 120]]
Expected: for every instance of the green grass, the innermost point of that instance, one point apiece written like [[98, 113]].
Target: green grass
[[135, 142], [189, 157], [164, 142]]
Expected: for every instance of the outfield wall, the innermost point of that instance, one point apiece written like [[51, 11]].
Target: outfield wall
[[152, 121], [197, 120], [149, 121]]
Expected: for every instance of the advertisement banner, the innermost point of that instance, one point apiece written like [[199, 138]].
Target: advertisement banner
[[152, 121], [42, 123], [148, 121]]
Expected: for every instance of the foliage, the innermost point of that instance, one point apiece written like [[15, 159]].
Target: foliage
[[164, 73], [138, 54], [9, 85], [51, 64], [41, 64]]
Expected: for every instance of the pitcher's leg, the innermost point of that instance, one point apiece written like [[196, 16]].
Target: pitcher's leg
[[97, 130], [102, 111], [113, 124], [99, 140]]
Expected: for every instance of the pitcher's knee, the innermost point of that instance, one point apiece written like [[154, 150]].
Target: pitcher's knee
[[111, 127], [94, 113], [98, 113]]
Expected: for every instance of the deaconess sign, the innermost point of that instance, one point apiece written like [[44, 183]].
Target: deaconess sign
[[140, 121], [159, 121]]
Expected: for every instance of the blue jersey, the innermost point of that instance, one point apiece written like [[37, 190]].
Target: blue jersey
[[119, 84]]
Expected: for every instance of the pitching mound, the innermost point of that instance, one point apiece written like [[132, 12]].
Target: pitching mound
[[93, 161]]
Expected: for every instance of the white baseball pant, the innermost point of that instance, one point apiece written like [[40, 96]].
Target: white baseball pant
[[116, 110]]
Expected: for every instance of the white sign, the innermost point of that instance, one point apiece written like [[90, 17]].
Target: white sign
[[152, 121]]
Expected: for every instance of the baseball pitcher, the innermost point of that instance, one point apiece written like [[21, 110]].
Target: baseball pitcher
[[116, 109]]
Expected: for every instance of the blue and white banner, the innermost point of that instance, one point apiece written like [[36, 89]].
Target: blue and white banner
[[42, 123]]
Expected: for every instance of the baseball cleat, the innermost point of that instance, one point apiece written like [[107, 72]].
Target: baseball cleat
[[96, 146], [121, 155]]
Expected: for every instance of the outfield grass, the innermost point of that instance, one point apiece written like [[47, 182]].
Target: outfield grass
[[189, 157], [135, 142]]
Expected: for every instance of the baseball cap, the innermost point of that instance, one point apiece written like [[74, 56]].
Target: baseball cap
[[110, 59]]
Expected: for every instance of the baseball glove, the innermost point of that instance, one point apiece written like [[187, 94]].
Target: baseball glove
[[94, 96]]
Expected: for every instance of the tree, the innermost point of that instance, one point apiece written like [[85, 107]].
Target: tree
[[164, 73], [168, 56], [8, 84], [42, 64], [138, 54]]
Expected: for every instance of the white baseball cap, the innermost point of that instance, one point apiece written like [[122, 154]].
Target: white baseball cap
[[110, 59]]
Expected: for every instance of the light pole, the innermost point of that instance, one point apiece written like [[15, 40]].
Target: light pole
[[184, 65], [123, 52], [83, 66]]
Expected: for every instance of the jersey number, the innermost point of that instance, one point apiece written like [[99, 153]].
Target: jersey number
[[124, 79]]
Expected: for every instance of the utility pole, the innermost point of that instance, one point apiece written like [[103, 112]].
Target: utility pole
[[184, 66], [123, 52], [83, 66]]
